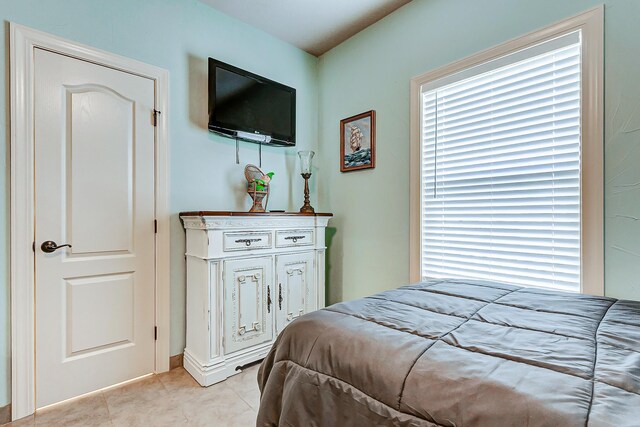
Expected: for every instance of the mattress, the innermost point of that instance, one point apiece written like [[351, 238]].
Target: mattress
[[457, 353]]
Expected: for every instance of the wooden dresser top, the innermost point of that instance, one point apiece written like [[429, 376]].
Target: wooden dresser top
[[235, 213]]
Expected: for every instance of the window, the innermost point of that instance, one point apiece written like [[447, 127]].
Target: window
[[501, 171], [502, 167]]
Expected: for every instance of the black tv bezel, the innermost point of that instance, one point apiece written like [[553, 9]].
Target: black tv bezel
[[231, 129]]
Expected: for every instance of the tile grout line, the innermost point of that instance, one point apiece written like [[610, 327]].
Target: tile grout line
[[239, 394], [106, 405], [251, 408], [103, 394], [164, 387]]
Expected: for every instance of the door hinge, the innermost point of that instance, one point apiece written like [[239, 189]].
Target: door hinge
[[155, 226], [155, 117], [155, 333], [33, 247]]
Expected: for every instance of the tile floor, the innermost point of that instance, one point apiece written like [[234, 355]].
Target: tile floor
[[169, 399]]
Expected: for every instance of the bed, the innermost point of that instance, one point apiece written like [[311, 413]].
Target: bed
[[457, 353]]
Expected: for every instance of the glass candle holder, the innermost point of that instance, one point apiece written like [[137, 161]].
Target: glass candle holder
[[305, 171], [306, 158]]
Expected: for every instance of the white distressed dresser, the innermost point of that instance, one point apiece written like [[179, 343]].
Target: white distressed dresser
[[248, 276]]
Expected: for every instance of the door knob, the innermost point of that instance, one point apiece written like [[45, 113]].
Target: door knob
[[51, 246]]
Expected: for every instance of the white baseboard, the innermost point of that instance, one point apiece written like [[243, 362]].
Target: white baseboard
[[223, 368]]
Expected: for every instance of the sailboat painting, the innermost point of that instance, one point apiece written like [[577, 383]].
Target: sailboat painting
[[357, 142]]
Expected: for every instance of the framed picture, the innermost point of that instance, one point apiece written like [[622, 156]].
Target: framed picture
[[358, 142]]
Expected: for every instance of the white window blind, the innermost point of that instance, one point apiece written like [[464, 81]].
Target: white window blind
[[500, 191]]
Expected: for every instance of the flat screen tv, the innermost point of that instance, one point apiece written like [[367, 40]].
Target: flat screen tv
[[246, 106]]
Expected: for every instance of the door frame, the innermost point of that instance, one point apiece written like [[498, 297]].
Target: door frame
[[23, 42]]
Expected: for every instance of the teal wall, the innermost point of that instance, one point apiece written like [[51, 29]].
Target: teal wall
[[372, 70], [178, 35]]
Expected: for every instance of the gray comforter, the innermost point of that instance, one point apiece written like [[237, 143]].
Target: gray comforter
[[457, 353]]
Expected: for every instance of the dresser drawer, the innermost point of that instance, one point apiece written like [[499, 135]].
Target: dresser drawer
[[246, 241], [289, 238]]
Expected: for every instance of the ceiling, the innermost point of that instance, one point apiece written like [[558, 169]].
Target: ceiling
[[312, 25]]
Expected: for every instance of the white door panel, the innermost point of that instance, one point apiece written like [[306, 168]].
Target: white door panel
[[105, 188], [94, 163], [248, 318], [91, 305], [296, 287]]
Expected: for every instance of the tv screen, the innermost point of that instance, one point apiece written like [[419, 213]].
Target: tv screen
[[248, 106]]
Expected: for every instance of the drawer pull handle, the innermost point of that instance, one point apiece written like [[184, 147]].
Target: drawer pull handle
[[247, 241], [294, 238], [280, 296], [268, 299]]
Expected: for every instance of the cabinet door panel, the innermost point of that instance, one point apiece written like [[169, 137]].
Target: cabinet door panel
[[296, 287], [248, 320]]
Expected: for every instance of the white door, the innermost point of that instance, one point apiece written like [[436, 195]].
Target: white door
[[296, 287], [94, 175], [248, 303]]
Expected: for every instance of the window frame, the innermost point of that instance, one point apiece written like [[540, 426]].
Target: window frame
[[591, 24]]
